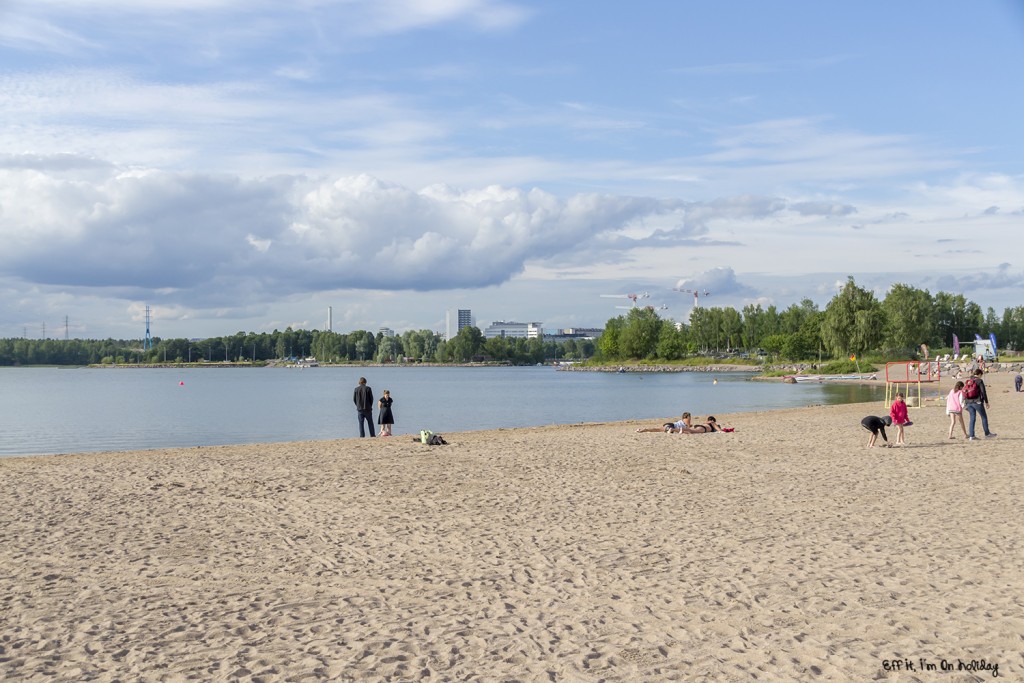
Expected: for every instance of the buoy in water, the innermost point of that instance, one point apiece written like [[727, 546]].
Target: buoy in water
[[181, 383]]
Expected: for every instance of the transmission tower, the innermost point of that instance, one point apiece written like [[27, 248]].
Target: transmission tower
[[148, 343], [65, 328]]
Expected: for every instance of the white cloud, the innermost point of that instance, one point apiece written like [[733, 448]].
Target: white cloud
[[134, 233]]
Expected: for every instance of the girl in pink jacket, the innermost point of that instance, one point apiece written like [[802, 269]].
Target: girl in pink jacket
[[955, 408], [898, 413]]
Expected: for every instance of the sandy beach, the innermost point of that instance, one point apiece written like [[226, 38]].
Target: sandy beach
[[785, 550]]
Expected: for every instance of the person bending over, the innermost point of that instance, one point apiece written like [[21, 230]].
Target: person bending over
[[876, 425]]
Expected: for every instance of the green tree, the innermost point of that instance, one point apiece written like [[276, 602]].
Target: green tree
[[608, 342], [704, 329], [362, 345], [671, 342], [794, 317], [774, 343], [852, 322], [730, 325], [1012, 329], [497, 348], [466, 344], [388, 349], [640, 334], [757, 324], [954, 314], [908, 318]]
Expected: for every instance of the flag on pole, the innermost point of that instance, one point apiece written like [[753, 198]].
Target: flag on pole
[[956, 345]]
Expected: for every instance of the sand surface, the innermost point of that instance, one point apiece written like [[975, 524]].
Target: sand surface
[[783, 551]]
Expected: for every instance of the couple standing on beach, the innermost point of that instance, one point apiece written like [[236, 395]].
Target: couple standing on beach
[[363, 398]]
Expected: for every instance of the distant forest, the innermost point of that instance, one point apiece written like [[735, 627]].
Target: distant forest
[[328, 347], [853, 323]]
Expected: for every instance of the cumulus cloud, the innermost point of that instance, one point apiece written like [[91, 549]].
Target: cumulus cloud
[[218, 238], [721, 281]]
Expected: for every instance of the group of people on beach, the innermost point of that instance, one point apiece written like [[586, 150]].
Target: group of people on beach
[[971, 395], [684, 425], [363, 398]]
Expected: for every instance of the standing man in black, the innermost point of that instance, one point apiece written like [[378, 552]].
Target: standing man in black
[[363, 398]]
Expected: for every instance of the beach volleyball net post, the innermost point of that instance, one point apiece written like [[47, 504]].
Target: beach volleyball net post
[[909, 374]]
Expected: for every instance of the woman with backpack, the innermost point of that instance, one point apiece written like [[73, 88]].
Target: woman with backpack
[[975, 401]]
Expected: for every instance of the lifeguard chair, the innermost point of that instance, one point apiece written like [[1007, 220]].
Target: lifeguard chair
[[910, 373]]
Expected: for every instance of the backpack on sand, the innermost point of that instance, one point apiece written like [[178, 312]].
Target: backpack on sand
[[972, 389], [431, 439]]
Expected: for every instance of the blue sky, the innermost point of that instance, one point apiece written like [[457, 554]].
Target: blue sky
[[244, 165]]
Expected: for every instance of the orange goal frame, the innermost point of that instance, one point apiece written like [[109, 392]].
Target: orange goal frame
[[911, 373]]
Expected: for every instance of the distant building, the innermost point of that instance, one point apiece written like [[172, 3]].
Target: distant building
[[561, 335], [501, 328], [464, 319], [387, 332]]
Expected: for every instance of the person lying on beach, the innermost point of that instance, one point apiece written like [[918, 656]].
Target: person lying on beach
[[876, 425], [683, 423], [710, 425]]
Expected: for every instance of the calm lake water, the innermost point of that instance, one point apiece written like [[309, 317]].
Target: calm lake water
[[70, 410]]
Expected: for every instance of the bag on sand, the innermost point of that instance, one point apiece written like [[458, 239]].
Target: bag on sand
[[972, 389], [431, 439]]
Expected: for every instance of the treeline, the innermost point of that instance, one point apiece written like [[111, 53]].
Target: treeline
[[854, 322], [331, 347]]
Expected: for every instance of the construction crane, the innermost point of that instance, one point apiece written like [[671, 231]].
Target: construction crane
[[631, 297], [696, 293]]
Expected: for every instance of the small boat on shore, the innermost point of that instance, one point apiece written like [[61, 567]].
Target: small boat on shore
[[828, 378]]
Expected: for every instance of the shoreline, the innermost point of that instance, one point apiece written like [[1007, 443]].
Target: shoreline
[[785, 550]]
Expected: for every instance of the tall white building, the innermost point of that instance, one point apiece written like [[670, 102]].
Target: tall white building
[[464, 319], [501, 328]]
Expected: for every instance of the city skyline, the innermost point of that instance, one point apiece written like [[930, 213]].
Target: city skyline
[[243, 166]]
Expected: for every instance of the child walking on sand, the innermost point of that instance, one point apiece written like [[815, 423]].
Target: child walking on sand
[[955, 408], [898, 413]]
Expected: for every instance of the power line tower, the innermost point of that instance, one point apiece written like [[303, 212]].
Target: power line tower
[[148, 342], [65, 328]]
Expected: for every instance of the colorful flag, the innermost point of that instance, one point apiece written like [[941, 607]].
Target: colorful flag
[[956, 345], [853, 357]]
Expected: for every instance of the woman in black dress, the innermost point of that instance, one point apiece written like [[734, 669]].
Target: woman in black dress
[[385, 419]]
